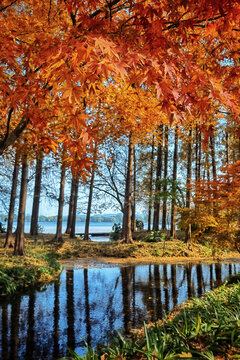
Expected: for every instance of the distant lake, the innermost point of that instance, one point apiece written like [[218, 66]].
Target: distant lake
[[49, 227]]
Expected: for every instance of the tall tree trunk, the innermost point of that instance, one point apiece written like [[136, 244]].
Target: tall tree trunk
[[213, 155], [173, 210], [189, 184], [58, 236], [19, 239], [134, 192], [227, 148], [126, 227], [158, 178], [9, 236], [90, 196], [75, 199], [71, 203], [36, 199], [164, 214], [150, 188]]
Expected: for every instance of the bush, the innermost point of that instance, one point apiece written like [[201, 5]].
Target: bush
[[116, 234], [139, 225], [156, 236]]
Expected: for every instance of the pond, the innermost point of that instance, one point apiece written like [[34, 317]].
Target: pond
[[92, 303]]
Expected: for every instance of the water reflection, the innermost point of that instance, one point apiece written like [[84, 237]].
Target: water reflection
[[92, 303]]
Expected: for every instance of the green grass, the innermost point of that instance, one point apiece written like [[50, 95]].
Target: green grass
[[205, 328]]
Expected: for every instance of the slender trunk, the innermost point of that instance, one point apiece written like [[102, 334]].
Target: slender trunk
[[36, 199], [213, 155], [173, 211], [9, 236], [150, 188], [134, 192], [126, 227], [19, 239], [71, 203], [227, 148], [158, 185], [188, 185], [90, 196], [199, 154], [58, 236], [164, 214], [73, 225]]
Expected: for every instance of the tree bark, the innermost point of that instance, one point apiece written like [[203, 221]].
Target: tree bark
[[173, 210], [189, 183], [19, 239], [213, 155], [36, 199], [164, 213], [134, 192], [150, 188], [71, 203], [158, 178], [9, 242], [126, 227], [86, 233], [75, 198], [58, 236]]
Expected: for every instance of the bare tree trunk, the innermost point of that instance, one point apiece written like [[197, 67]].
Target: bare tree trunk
[[173, 211], [158, 178], [189, 183], [227, 148], [75, 198], [9, 236], [71, 202], [134, 192], [150, 188], [58, 236], [86, 233], [19, 239], [36, 199], [126, 227], [164, 214]]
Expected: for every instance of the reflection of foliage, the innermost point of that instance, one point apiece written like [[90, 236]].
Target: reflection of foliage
[[116, 234], [139, 224]]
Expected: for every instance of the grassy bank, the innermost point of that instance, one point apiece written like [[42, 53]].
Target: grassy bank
[[205, 328], [36, 268]]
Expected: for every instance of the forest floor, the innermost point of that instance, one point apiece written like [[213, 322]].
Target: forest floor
[[43, 259]]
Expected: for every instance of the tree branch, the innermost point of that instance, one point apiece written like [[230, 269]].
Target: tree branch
[[14, 135]]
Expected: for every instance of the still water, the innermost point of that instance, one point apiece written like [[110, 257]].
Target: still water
[[92, 303]]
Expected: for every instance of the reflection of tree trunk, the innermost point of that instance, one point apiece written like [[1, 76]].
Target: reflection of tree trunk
[[5, 331], [164, 212], [70, 209], [134, 297], [87, 306], [58, 236], [19, 239], [166, 290], [30, 334], [9, 236], [70, 310], [157, 286], [74, 216], [36, 197], [90, 196], [189, 280], [230, 269], [174, 285], [150, 188], [56, 316], [211, 276], [126, 226], [126, 274], [133, 220], [15, 329], [156, 213], [173, 211], [199, 279], [189, 184], [218, 273], [151, 294]]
